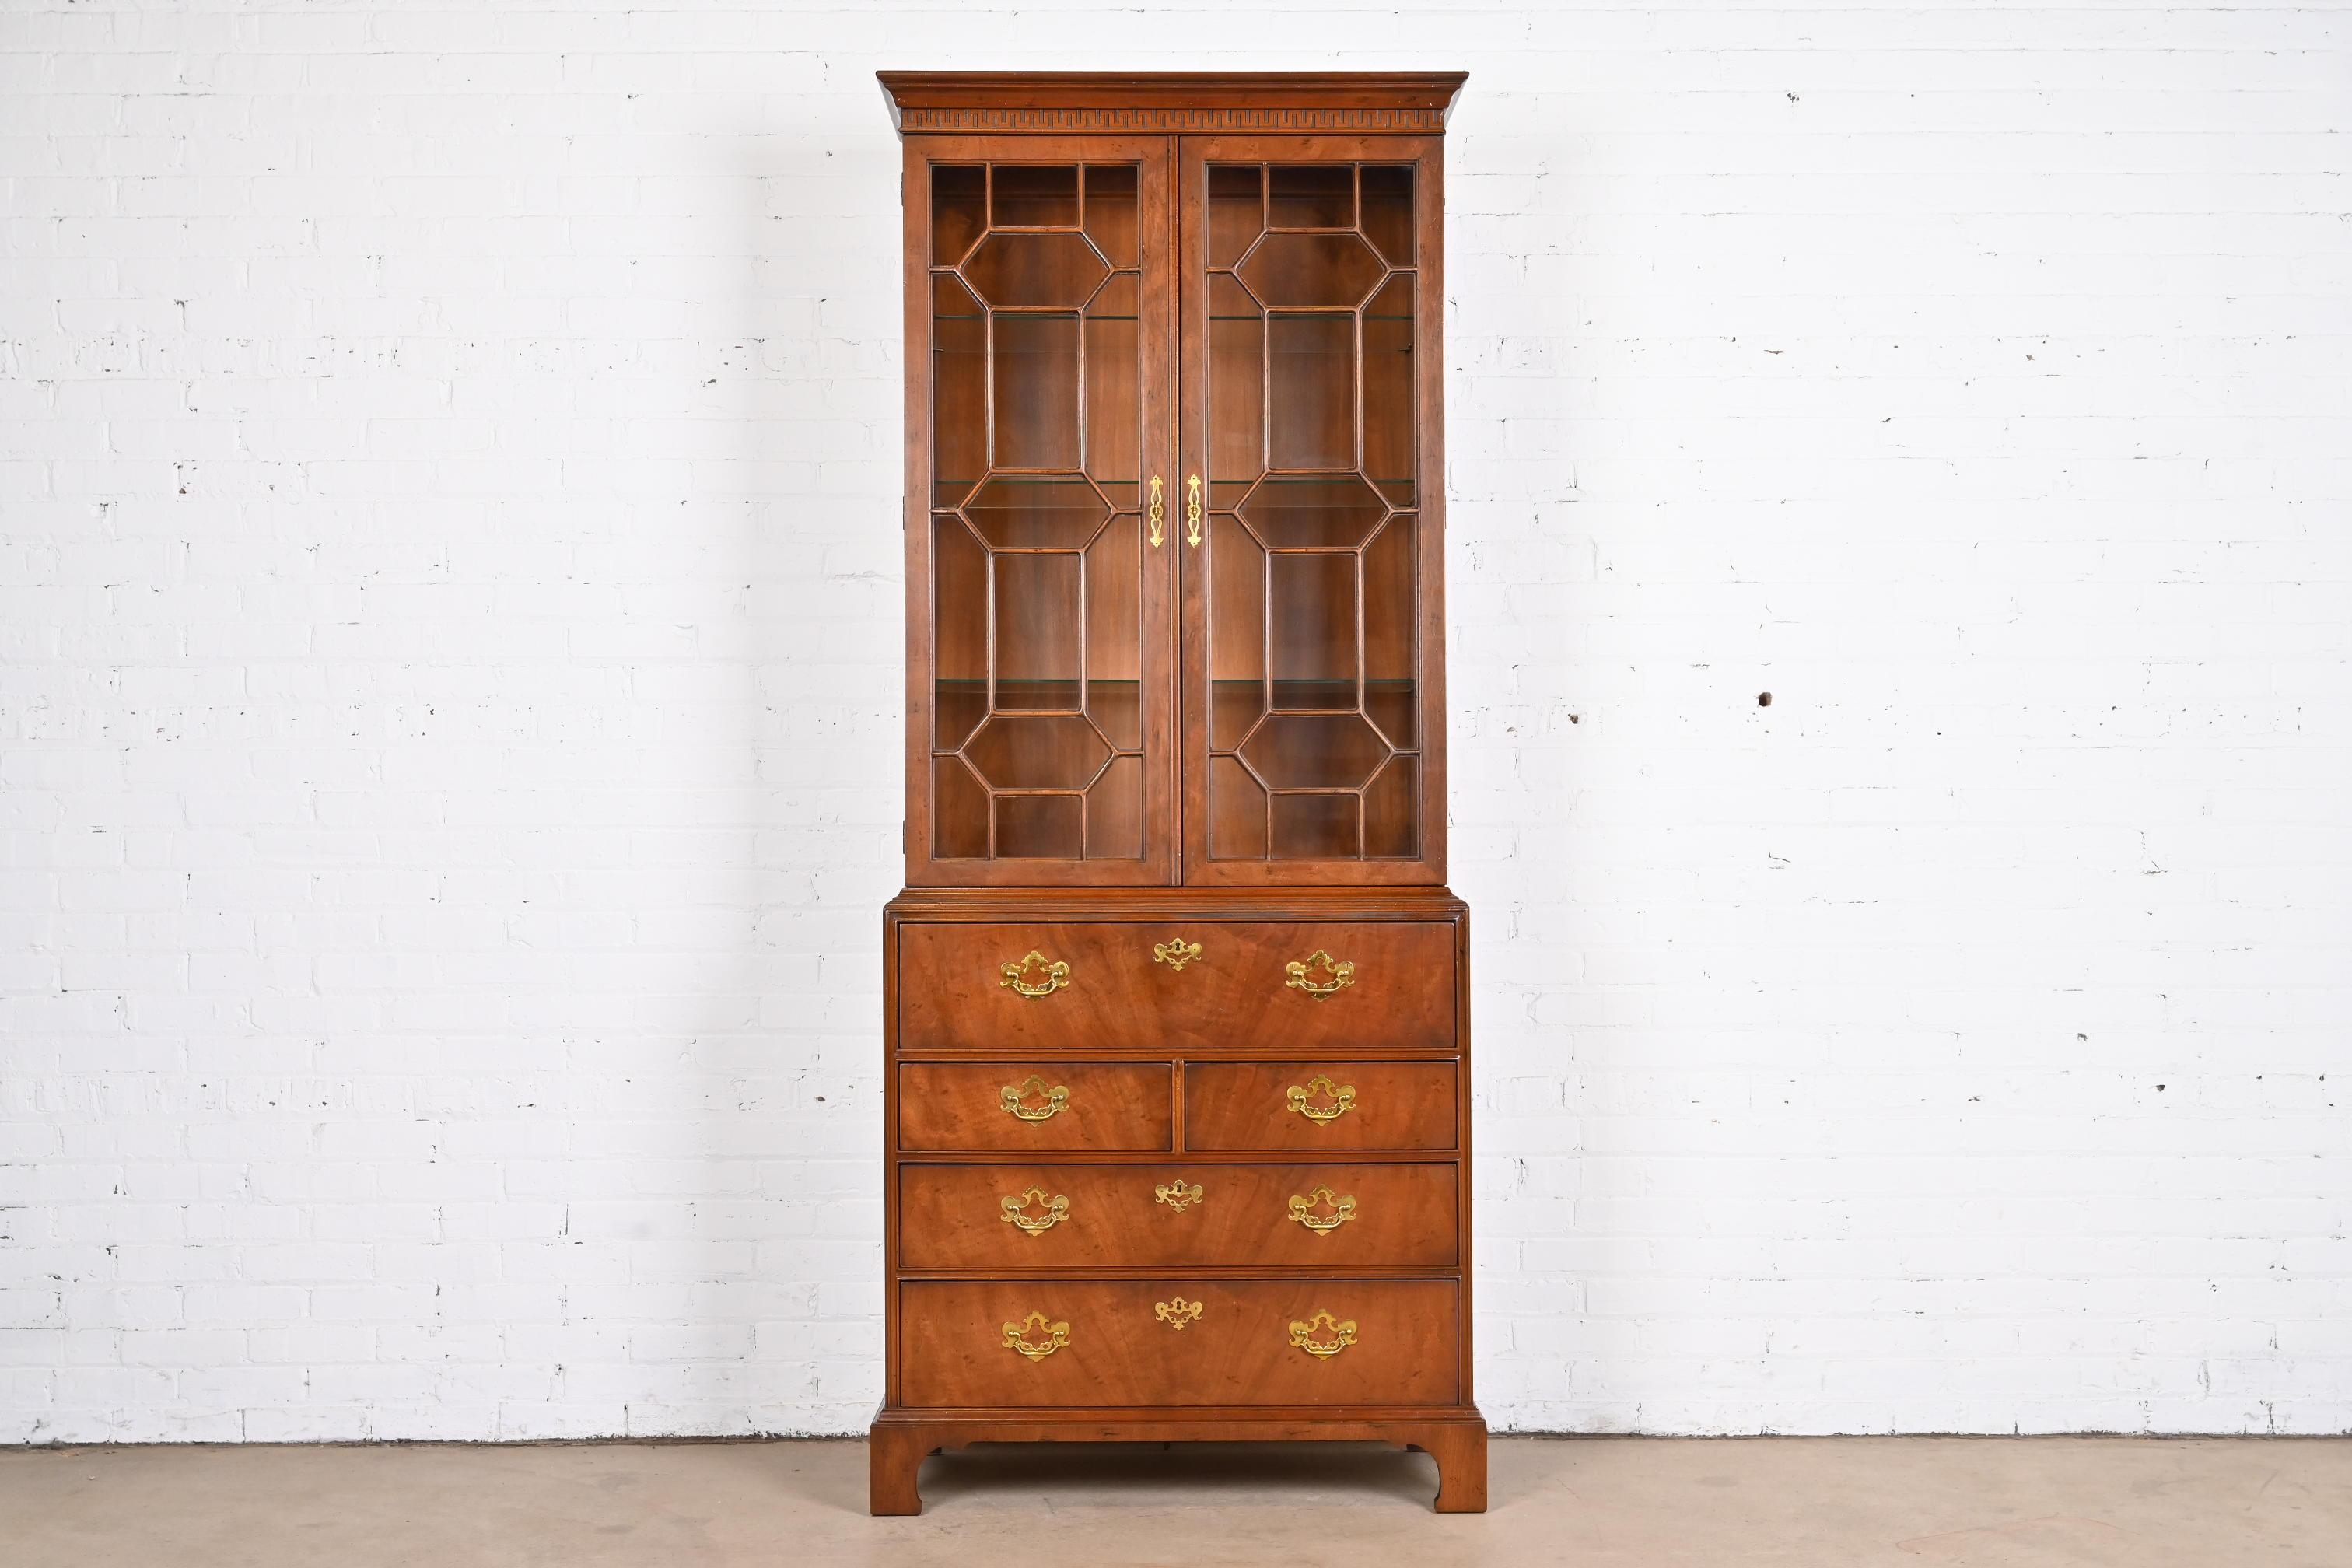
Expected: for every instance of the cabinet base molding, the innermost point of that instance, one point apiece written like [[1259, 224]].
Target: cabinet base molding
[[1453, 1436]]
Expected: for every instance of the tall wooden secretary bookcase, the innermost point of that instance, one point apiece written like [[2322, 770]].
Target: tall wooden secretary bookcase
[[1177, 1019]]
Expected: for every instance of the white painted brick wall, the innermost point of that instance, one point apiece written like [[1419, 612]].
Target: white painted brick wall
[[450, 712]]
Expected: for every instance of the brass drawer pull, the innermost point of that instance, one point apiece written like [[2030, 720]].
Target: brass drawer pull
[[1342, 973], [1175, 953], [1338, 1335], [1056, 1209], [1337, 1099], [1177, 1313], [1036, 1338], [1017, 1101], [1177, 1195], [1322, 1211], [1051, 975]]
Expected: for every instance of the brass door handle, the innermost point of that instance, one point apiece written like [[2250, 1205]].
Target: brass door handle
[[1342, 973], [1017, 1099], [1155, 516], [1192, 511], [1177, 1313], [1318, 1100], [1336, 1335], [1050, 975], [1321, 1211], [1175, 953], [1178, 1194], [1056, 1209], [1036, 1338]]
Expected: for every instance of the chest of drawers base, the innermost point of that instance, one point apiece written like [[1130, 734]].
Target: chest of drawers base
[[1175, 1164]]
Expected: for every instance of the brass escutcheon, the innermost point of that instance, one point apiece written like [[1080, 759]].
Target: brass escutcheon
[[1017, 1211], [1322, 1211], [1175, 953], [1177, 1195], [1177, 1313]]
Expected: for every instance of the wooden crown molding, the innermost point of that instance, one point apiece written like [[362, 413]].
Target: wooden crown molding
[[933, 102]]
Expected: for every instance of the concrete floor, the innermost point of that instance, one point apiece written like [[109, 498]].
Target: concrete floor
[[1921, 1502]]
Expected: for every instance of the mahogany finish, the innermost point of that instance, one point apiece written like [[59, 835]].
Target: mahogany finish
[[1235, 995], [1237, 1350], [1102, 1106], [1171, 1215], [1247, 1105], [1177, 1004]]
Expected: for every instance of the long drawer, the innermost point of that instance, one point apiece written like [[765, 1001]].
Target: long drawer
[[989, 1218], [1176, 986], [1319, 1341]]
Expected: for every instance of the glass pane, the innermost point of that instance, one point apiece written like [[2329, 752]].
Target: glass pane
[[1037, 635], [958, 632], [1236, 602], [1388, 210], [1392, 632], [1310, 391], [1311, 196], [1235, 211], [1113, 425], [1315, 751], [1037, 569], [1039, 828], [1314, 828], [1036, 392], [1037, 750], [1314, 725], [1311, 270], [1037, 512], [1311, 630], [1115, 812], [1236, 388], [958, 390], [1111, 214], [1015, 511], [1030, 195], [1314, 509], [1392, 810], [958, 193], [1024, 270], [958, 811], [1388, 422], [1236, 812], [1114, 633]]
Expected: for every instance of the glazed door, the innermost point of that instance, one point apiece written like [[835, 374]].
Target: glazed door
[[1041, 703], [1313, 718]]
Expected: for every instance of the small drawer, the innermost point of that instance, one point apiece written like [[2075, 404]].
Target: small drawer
[[1319, 1105], [991, 1217], [1176, 985], [1321, 1341], [1033, 1106]]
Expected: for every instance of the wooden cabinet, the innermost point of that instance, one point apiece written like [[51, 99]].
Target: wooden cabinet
[[1176, 1003]]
